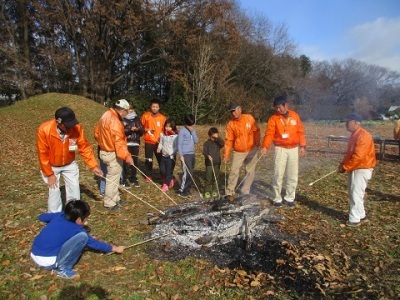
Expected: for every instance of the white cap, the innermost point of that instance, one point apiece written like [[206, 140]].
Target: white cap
[[123, 104]]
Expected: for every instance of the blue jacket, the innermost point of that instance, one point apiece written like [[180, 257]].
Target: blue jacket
[[186, 141], [57, 231]]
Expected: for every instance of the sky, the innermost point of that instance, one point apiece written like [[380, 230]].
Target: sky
[[365, 30]]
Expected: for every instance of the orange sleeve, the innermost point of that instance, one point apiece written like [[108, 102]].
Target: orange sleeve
[[269, 133], [85, 149], [229, 138], [43, 152]]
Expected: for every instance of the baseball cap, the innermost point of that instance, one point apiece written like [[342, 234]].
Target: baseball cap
[[353, 117], [233, 106], [123, 104], [66, 116]]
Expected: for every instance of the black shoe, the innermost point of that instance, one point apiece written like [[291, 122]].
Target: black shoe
[[184, 194], [122, 202], [126, 184], [114, 208], [135, 183]]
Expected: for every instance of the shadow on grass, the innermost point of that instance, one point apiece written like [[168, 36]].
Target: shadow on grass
[[379, 196], [333, 213], [83, 291]]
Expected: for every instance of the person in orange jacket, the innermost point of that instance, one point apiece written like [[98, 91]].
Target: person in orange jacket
[[243, 136], [153, 124], [359, 163], [396, 130], [110, 135], [57, 142], [285, 130]]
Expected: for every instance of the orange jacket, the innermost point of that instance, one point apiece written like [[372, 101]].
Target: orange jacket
[[110, 135], [241, 135], [155, 123], [360, 152], [52, 151], [396, 131], [284, 132]]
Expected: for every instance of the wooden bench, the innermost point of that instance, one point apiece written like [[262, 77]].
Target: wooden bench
[[377, 141], [388, 142]]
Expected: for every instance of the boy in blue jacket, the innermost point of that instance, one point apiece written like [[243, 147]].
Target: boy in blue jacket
[[187, 138], [59, 245]]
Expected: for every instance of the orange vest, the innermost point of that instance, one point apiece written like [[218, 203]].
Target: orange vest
[[110, 135], [284, 132], [241, 135], [53, 151], [360, 152], [155, 123]]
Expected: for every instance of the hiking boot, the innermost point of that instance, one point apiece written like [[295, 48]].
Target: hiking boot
[[353, 224], [277, 204], [148, 179], [207, 195], [65, 273], [364, 220], [122, 202], [164, 188]]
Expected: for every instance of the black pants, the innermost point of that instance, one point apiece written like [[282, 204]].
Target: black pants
[[167, 167], [149, 150], [211, 185], [188, 169], [130, 172]]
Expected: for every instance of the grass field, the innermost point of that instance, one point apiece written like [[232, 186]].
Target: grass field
[[325, 258]]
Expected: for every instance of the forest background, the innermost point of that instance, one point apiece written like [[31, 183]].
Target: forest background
[[195, 55]]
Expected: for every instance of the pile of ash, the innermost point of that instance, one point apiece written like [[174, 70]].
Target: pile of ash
[[228, 233]]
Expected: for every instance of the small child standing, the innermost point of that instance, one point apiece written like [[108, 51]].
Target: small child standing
[[187, 138], [59, 245], [212, 155], [168, 147]]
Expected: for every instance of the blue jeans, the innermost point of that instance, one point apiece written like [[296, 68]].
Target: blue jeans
[[70, 252], [102, 182]]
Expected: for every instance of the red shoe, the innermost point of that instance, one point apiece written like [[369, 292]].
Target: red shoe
[[164, 188], [148, 179], [171, 183]]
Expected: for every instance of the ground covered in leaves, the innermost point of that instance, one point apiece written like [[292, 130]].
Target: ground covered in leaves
[[316, 256]]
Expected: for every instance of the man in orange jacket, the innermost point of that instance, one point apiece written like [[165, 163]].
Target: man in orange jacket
[[359, 161], [153, 124], [285, 130], [243, 136], [57, 142], [110, 135]]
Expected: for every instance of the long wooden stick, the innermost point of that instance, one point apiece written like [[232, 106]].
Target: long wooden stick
[[121, 187], [191, 176], [326, 175], [151, 180], [143, 242]]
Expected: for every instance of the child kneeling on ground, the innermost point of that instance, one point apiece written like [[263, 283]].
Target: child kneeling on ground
[[59, 245]]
